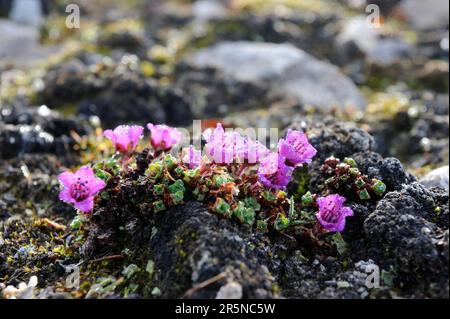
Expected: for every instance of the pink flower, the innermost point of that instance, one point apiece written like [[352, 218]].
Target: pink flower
[[332, 212], [273, 171], [253, 151], [226, 147], [192, 157], [125, 138], [296, 148], [222, 146], [163, 137], [79, 188]]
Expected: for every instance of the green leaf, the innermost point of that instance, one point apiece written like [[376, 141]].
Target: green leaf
[[176, 187], [150, 268], [103, 175], [281, 223], [251, 202], [341, 245], [292, 213], [130, 270]]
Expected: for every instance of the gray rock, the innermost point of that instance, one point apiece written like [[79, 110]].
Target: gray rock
[[20, 44], [425, 15], [436, 178], [232, 290], [209, 9], [27, 12], [285, 69], [383, 51], [16, 38]]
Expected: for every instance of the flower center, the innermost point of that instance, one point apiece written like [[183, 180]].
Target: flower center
[[79, 190], [299, 146], [331, 214]]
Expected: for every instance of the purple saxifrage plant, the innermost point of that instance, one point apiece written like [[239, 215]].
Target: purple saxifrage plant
[[245, 179]]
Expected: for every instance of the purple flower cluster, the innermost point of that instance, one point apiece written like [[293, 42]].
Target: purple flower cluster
[[80, 188], [332, 212], [126, 137], [293, 151], [222, 147], [226, 147]]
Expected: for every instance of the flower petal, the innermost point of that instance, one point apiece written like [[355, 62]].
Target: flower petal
[[66, 179], [85, 172], [109, 134], [86, 206], [64, 195], [96, 185]]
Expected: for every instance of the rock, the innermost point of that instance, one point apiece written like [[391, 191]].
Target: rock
[[190, 245], [209, 246], [27, 12], [355, 284], [213, 94], [425, 15], [436, 178], [134, 42], [331, 137], [25, 130], [408, 230], [390, 170], [357, 32], [284, 69], [119, 94], [209, 9], [16, 38], [111, 104], [232, 290]]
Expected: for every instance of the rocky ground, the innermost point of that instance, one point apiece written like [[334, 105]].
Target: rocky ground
[[377, 95]]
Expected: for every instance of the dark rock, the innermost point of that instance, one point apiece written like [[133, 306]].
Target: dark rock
[[129, 41], [390, 170], [355, 284], [192, 246], [212, 94], [126, 101], [38, 130], [115, 91], [409, 230], [66, 83], [332, 138]]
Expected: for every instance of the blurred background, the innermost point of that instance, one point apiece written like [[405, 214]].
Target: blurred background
[[382, 65]]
